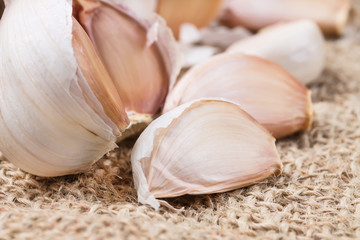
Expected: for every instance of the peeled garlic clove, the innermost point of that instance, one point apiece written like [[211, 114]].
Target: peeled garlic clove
[[331, 15], [263, 89], [198, 12], [297, 46], [140, 55], [204, 146], [56, 98]]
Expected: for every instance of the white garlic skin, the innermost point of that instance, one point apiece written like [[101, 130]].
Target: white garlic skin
[[47, 127], [204, 146], [297, 46]]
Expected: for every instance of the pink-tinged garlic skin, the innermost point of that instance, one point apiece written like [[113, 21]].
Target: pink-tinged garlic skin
[[262, 88], [297, 46], [141, 55], [205, 146], [331, 15]]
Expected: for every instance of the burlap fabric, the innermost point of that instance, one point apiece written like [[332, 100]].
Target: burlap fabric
[[316, 197]]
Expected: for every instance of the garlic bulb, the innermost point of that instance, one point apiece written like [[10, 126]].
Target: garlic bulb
[[204, 146], [262, 88], [59, 110], [298, 47], [140, 54], [331, 15]]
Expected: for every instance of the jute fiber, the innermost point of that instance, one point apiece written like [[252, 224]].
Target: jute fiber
[[316, 197]]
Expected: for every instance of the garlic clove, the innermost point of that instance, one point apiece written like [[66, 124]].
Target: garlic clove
[[263, 89], [97, 77], [297, 46], [198, 12], [331, 15], [205, 146], [140, 55], [52, 122]]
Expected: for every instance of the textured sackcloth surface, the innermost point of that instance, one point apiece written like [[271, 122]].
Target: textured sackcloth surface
[[316, 197]]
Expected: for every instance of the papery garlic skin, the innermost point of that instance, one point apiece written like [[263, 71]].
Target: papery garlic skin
[[140, 54], [140, 7], [204, 146], [262, 88], [331, 15], [51, 123], [298, 47]]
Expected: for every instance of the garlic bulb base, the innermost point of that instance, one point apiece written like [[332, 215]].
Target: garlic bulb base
[[138, 122]]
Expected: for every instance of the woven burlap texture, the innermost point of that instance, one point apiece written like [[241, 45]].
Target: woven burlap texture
[[316, 197]]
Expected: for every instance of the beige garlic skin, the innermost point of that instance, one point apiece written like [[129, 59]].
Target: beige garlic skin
[[201, 147], [141, 55], [331, 15], [297, 46], [59, 110], [176, 13], [262, 88]]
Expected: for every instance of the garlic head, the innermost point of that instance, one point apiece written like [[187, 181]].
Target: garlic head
[[59, 113]]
